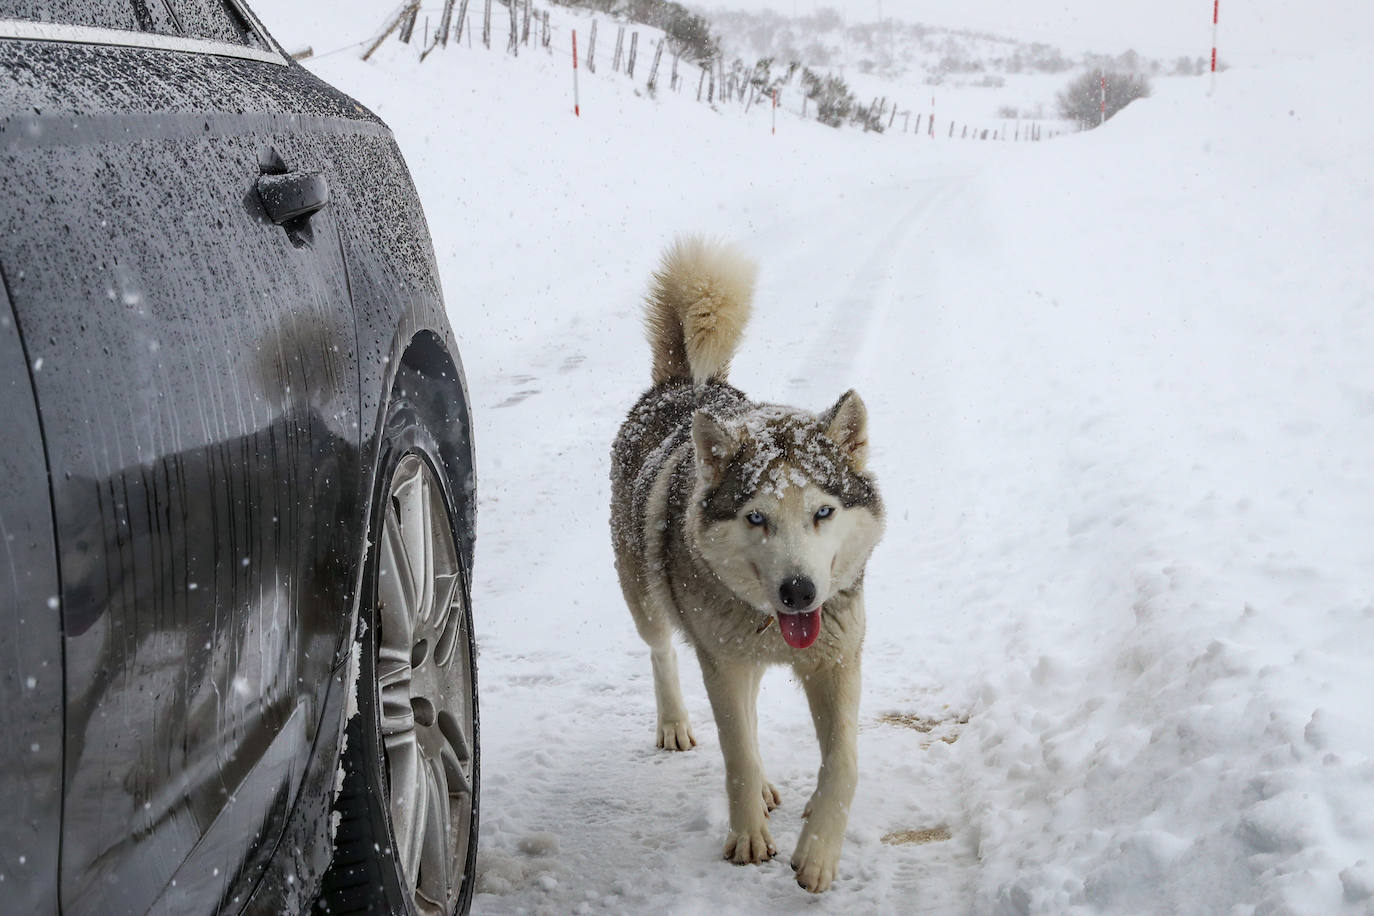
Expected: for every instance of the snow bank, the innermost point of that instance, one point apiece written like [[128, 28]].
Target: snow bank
[[1155, 365]]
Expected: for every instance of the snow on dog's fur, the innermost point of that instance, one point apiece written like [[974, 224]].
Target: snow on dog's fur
[[727, 515]]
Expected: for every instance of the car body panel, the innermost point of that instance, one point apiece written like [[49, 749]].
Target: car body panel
[[31, 651], [202, 430]]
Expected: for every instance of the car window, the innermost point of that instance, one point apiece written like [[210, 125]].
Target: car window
[[215, 20], [104, 14], [211, 20]]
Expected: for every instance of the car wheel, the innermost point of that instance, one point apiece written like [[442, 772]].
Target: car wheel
[[406, 838]]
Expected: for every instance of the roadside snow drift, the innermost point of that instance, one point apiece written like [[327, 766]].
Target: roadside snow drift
[[1121, 390]]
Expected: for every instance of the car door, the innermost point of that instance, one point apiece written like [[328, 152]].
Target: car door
[[195, 367], [30, 643]]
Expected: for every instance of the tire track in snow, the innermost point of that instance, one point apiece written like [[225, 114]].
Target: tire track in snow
[[865, 297], [830, 290], [872, 267]]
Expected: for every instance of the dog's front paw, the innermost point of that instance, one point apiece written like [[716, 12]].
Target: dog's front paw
[[676, 736], [815, 861], [750, 847]]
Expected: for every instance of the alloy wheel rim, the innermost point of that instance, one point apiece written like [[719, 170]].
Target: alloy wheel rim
[[424, 683]]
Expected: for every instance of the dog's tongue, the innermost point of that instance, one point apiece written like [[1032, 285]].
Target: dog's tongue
[[800, 630]]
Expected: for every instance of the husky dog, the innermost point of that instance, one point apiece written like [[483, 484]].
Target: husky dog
[[727, 515]]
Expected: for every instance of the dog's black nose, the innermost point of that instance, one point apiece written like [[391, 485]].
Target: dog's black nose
[[797, 592]]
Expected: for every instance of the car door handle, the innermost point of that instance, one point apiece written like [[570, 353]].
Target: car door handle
[[293, 195]]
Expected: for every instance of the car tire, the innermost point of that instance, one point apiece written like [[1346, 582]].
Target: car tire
[[406, 816]]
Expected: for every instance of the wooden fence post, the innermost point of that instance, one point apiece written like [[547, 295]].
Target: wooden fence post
[[548, 36], [462, 20], [514, 45], [619, 44], [408, 27], [486, 24], [653, 70], [591, 50], [634, 49], [396, 22], [701, 82], [672, 83], [525, 24], [711, 89], [445, 22]]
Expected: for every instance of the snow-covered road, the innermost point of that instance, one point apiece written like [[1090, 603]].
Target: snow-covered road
[[577, 796], [1122, 412]]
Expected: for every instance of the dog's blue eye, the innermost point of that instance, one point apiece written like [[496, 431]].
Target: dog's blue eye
[[824, 512], [755, 518]]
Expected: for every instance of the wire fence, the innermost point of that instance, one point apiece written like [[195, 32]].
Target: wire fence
[[716, 85]]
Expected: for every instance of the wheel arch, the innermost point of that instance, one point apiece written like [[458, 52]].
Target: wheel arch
[[424, 407], [430, 375]]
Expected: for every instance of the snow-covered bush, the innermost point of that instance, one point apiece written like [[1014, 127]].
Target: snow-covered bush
[[834, 101], [689, 34], [1081, 100]]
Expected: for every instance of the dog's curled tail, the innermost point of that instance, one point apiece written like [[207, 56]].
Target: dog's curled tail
[[698, 304]]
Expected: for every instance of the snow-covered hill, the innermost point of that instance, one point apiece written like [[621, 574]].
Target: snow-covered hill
[[1122, 408], [982, 75]]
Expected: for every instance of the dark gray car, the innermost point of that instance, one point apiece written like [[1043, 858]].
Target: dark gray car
[[236, 484]]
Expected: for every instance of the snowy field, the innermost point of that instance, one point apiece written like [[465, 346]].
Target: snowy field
[[1121, 390]]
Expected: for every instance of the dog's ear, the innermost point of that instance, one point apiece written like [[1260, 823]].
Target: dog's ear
[[846, 424], [715, 446]]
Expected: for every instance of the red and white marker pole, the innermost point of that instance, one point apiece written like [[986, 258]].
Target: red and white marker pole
[[1102, 118], [577, 103], [775, 112], [1216, 11]]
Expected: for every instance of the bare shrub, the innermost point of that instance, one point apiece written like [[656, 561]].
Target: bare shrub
[[1081, 100]]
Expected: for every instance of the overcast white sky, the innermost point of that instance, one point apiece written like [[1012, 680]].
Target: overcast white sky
[[1250, 31]]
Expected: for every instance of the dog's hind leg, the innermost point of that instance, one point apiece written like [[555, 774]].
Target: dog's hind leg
[[732, 687], [674, 729]]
